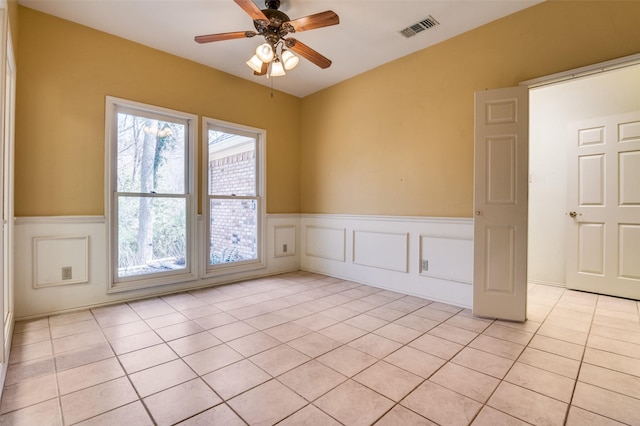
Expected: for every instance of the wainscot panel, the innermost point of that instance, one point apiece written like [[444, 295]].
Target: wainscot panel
[[60, 260], [440, 258], [284, 240], [381, 250], [325, 242], [390, 252]]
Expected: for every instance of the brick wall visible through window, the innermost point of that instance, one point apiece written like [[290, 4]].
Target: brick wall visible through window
[[235, 224]]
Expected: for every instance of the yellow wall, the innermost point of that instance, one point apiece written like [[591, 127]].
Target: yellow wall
[[398, 140], [64, 73]]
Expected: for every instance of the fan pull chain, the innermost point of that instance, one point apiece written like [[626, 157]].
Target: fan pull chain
[[272, 88]]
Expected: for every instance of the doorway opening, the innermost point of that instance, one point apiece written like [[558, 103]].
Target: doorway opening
[[552, 108]]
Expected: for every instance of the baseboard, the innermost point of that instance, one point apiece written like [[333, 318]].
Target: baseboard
[[549, 283]]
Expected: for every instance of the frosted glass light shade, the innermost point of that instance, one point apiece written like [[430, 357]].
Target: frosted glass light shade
[[289, 60], [277, 69], [264, 52], [255, 63]]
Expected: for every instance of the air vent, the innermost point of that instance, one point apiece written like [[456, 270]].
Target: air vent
[[414, 29]]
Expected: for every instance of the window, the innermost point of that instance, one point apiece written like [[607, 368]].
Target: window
[[151, 194], [234, 202]]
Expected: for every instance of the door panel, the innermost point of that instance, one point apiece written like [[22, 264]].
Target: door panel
[[629, 243], [500, 253], [501, 167], [591, 180], [629, 178], [500, 203], [603, 244], [591, 248]]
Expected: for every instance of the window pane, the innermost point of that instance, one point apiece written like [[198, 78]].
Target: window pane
[[151, 235], [150, 155], [232, 164], [234, 230]]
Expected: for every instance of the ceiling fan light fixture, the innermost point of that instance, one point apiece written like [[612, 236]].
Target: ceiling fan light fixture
[[271, 58], [255, 63], [265, 52], [289, 60], [277, 70]]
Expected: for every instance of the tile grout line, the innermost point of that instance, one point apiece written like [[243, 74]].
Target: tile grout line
[[407, 345], [343, 344], [582, 362], [584, 350], [126, 374], [407, 313], [377, 360], [55, 372], [347, 344], [366, 333], [164, 342], [502, 380]]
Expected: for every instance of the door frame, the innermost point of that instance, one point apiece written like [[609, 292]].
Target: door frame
[[575, 73], [7, 129], [598, 68]]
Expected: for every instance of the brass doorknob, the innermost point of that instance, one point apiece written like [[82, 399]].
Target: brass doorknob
[[573, 214]]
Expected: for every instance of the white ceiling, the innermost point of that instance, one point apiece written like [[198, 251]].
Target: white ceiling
[[367, 36]]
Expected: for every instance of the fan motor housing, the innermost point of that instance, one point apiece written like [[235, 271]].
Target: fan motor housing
[[275, 17], [275, 28]]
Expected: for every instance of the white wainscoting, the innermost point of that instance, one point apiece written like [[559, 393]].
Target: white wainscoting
[[382, 251], [44, 244], [387, 252]]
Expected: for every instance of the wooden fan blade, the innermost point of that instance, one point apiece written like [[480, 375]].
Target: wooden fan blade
[[307, 53], [251, 9], [319, 20], [223, 36], [263, 70]]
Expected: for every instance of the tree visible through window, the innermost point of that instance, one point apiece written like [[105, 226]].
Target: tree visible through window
[[152, 207], [151, 198]]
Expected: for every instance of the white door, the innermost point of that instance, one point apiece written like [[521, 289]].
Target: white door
[[603, 247], [500, 203]]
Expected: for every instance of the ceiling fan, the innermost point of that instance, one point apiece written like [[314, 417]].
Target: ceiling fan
[[274, 56]]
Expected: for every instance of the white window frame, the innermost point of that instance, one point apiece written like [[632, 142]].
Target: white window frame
[[189, 273], [261, 139]]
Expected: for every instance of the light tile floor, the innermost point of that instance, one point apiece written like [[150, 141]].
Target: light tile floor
[[305, 349]]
